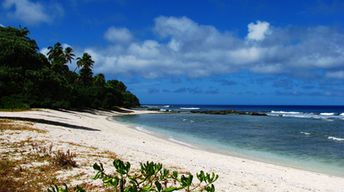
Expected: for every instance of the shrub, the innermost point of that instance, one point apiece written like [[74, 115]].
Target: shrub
[[14, 102], [64, 159], [151, 177]]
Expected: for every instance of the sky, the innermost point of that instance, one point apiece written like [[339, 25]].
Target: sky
[[229, 52]]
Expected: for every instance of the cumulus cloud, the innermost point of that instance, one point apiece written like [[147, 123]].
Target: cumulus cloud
[[1, 25], [31, 12], [44, 51], [184, 47], [246, 55], [122, 35], [257, 31]]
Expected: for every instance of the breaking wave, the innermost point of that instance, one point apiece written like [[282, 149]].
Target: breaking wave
[[180, 142], [305, 133], [335, 138], [296, 114], [189, 108]]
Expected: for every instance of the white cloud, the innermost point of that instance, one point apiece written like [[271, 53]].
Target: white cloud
[[174, 45], [65, 45], [257, 31], [181, 28], [44, 51], [335, 74], [271, 69], [246, 55], [184, 47], [114, 34], [31, 12], [1, 25]]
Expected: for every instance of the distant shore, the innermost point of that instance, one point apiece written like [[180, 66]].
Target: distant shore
[[94, 128]]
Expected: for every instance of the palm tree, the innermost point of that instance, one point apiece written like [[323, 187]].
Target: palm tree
[[68, 54], [86, 65], [59, 57], [85, 61], [56, 54]]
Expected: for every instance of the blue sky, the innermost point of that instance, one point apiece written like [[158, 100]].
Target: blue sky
[[200, 52]]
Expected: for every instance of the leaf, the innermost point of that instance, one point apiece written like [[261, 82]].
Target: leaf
[[170, 189], [158, 185], [146, 188], [201, 176], [175, 175], [186, 181], [211, 178], [121, 167], [98, 167], [210, 188]]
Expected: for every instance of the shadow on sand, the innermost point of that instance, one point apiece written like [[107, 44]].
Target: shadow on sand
[[95, 111], [50, 123]]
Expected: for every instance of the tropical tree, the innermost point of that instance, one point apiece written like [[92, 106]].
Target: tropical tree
[[59, 57], [99, 80], [17, 49], [86, 64], [68, 54], [55, 54], [27, 77]]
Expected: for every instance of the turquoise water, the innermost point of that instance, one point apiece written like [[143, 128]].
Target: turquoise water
[[306, 143]]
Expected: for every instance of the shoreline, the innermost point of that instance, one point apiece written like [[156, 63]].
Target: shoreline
[[236, 173], [140, 129], [222, 152]]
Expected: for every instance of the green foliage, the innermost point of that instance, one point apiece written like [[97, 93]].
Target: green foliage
[[86, 65], [56, 188], [151, 177], [17, 50], [30, 79], [14, 102]]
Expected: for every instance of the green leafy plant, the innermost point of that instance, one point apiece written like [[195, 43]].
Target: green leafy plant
[[151, 177], [56, 188]]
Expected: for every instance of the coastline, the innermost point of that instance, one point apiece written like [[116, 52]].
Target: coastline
[[277, 159], [236, 173]]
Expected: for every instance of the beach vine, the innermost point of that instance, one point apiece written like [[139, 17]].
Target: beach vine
[[151, 177]]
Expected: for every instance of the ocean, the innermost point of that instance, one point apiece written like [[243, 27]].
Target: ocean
[[304, 137]]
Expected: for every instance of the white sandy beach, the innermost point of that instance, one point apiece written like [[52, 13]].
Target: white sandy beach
[[236, 174]]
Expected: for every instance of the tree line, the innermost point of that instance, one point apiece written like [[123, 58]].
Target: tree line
[[30, 79]]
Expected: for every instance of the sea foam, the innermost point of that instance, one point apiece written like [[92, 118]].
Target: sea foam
[[335, 138], [327, 114], [189, 108], [180, 142], [286, 112], [305, 133], [142, 129]]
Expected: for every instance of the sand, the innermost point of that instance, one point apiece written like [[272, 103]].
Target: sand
[[96, 129]]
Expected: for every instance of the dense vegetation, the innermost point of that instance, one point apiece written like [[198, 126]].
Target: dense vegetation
[[151, 177], [30, 79]]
